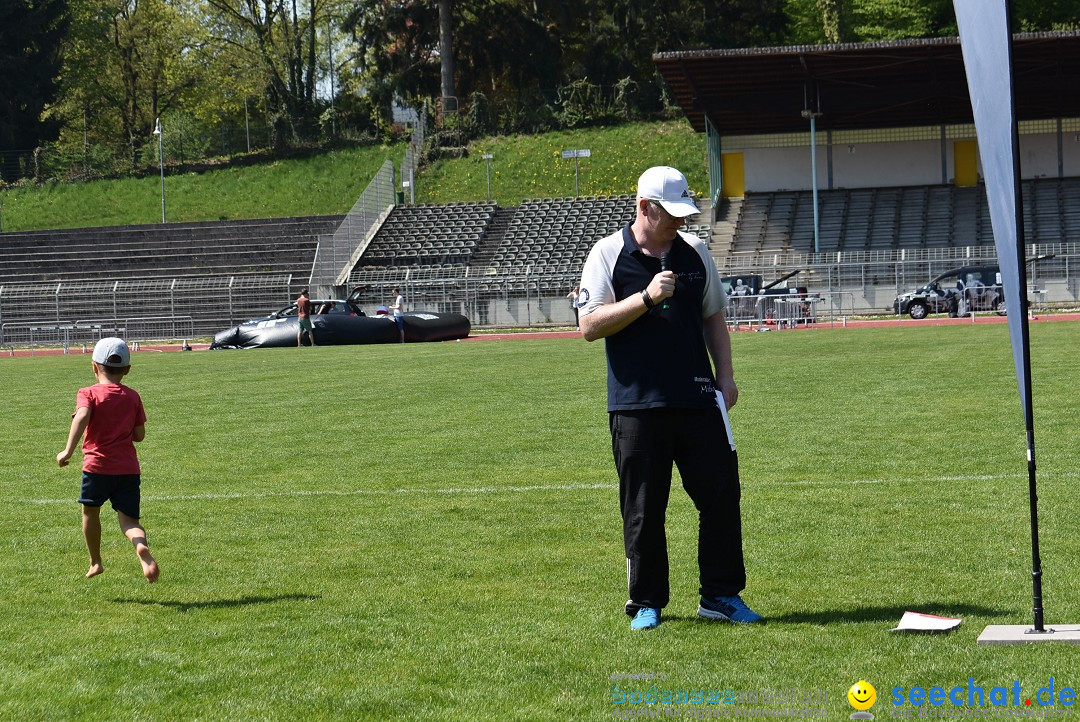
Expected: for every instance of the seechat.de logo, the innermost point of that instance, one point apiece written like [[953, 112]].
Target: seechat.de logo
[[862, 696]]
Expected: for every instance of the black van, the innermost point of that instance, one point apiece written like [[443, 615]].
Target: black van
[[957, 292]]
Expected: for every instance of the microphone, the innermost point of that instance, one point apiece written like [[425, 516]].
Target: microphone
[[664, 267]]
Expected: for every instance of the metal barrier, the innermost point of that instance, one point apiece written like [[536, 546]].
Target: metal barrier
[[209, 303], [790, 310], [134, 330]]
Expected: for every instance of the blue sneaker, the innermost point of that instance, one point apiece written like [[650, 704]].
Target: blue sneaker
[[728, 609], [646, 618]]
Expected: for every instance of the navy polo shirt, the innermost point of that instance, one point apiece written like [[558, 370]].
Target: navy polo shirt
[[659, 360]]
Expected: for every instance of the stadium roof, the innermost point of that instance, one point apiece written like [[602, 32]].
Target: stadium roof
[[862, 85]]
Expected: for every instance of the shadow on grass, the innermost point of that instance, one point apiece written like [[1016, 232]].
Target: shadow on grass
[[886, 614], [221, 603], [860, 614]]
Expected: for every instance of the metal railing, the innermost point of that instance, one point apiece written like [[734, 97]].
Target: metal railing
[[877, 277], [533, 296], [538, 298], [790, 310]]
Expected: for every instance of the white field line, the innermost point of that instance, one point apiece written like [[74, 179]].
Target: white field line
[[464, 490], [354, 492]]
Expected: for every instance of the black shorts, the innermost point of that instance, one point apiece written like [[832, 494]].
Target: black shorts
[[121, 489]]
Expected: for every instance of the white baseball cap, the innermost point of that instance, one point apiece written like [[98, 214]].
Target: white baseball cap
[[669, 188], [112, 351]]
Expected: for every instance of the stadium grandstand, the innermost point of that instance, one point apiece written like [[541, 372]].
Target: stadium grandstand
[[850, 171]]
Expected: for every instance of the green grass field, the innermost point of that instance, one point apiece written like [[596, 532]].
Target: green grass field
[[431, 532]]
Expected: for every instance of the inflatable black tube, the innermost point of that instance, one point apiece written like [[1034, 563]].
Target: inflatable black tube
[[340, 330]]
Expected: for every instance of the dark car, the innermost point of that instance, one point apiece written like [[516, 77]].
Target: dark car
[[957, 292], [340, 322], [318, 307]]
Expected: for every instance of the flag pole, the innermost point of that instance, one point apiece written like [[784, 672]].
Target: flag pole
[[1029, 416], [987, 45]]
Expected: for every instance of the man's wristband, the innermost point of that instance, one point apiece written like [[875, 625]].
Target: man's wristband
[[649, 305]]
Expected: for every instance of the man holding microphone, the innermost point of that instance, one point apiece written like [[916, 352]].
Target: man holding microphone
[[654, 294]]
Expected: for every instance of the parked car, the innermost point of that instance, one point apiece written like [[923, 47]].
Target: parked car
[[957, 292]]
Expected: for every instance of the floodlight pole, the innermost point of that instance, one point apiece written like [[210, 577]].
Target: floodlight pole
[[330, 68], [161, 165], [813, 116]]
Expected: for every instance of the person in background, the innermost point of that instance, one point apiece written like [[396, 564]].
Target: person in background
[[303, 312], [572, 297], [398, 307]]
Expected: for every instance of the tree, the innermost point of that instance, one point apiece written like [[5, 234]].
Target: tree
[[446, 55], [1038, 15], [396, 51], [878, 20], [820, 21], [517, 47], [277, 39], [127, 63], [31, 33]]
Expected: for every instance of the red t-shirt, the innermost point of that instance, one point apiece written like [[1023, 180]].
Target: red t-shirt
[[115, 411]]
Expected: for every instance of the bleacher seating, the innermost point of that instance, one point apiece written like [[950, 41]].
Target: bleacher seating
[[557, 233], [280, 245], [429, 235], [545, 234], [918, 217]]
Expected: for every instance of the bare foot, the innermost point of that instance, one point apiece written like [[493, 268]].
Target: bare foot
[[94, 570], [149, 566]]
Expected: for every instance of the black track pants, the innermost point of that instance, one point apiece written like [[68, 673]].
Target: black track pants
[[645, 444]]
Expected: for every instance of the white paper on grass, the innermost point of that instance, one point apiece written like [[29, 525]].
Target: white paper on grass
[[727, 421], [917, 622]]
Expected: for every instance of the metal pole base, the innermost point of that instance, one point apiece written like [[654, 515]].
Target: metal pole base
[[1025, 634]]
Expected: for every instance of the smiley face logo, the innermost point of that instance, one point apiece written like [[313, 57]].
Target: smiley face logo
[[862, 695]]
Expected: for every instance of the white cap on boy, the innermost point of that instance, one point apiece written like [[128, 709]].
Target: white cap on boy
[[112, 351]]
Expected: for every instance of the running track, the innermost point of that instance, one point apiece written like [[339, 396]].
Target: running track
[[908, 323]]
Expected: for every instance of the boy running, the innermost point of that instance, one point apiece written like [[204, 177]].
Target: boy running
[[113, 419]]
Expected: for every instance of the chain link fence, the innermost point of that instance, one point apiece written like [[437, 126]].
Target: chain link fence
[[336, 254], [411, 162]]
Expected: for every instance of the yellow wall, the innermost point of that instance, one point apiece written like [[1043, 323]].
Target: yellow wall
[[732, 175], [966, 162]]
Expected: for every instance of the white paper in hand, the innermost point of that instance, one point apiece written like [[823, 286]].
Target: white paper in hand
[[727, 421], [916, 622]]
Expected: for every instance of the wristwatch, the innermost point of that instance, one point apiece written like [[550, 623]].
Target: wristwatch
[[649, 304]]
